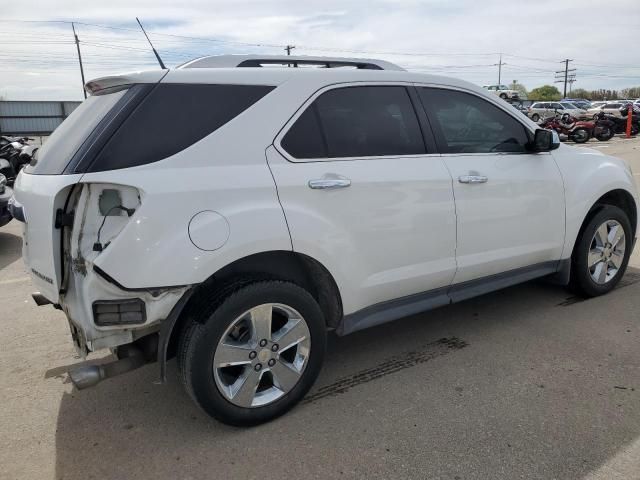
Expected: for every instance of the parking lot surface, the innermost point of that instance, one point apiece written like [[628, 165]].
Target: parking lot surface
[[528, 382]]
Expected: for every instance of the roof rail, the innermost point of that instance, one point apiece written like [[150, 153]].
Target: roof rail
[[234, 61]]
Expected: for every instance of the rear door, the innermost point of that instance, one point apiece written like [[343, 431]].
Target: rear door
[[509, 202], [42, 190], [364, 196]]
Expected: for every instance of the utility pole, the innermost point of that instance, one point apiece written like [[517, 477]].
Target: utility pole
[[152, 47], [73, 27], [288, 48], [565, 76], [499, 65]]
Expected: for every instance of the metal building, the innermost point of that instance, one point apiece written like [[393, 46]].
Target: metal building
[[33, 118]]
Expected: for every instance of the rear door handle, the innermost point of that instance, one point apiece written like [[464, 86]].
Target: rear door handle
[[329, 182], [472, 179]]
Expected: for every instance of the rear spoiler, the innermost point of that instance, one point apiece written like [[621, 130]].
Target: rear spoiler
[[93, 87]]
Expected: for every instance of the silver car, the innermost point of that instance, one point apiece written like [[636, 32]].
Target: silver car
[[541, 110]]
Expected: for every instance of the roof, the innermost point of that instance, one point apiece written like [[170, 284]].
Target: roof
[[233, 61]]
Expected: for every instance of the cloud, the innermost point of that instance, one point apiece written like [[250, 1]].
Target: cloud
[[461, 39]]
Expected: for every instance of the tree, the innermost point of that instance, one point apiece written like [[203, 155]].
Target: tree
[[545, 92], [633, 92], [581, 93], [521, 89]]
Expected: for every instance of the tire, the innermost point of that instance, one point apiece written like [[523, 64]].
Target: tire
[[281, 377], [535, 117], [605, 135], [588, 280], [580, 135], [503, 96]]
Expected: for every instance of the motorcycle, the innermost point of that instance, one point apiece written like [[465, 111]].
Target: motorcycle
[[577, 131], [606, 126], [5, 195], [635, 118], [15, 153]]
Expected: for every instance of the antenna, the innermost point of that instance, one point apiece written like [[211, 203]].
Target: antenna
[[152, 48], [73, 27]]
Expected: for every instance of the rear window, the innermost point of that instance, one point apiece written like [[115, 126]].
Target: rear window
[[54, 155], [171, 118]]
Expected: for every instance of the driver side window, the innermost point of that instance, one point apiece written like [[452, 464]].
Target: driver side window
[[465, 123]]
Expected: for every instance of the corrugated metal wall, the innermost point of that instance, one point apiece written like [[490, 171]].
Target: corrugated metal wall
[[33, 118]]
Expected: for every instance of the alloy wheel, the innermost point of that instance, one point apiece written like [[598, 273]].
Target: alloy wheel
[[262, 355], [606, 252]]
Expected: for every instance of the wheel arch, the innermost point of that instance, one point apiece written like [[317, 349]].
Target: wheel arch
[[618, 197], [294, 267]]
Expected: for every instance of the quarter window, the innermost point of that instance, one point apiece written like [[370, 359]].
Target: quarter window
[[171, 118], [368, 121], [465, 123]]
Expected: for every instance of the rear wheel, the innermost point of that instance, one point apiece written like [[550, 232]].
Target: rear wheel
[[580, 135], [253, 357], [602, 252]]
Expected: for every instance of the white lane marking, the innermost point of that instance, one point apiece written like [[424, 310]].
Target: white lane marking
[[15, 280]]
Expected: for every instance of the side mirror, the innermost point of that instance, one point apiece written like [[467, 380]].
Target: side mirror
[[545, 140]]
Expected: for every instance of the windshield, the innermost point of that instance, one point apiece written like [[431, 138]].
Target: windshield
[[569, 106], [65, 140], [503, 87]]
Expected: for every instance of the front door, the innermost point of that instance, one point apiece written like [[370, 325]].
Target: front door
[[363, 197], [509, 202]]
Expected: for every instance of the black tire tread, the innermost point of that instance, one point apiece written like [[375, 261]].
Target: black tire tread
[[193, 332], [580, 283]]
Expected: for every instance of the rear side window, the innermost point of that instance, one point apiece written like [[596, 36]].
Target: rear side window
[[466, 123], [368, 121], [65, 140], [171, 118], [305, 139]]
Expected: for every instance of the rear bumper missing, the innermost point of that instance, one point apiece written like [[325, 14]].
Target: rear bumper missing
[[102, 315]]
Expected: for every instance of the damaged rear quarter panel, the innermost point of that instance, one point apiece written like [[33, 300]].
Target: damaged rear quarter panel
[[83, 286]]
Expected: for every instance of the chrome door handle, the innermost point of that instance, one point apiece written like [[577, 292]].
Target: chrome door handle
[[472, 179], [329, 182]]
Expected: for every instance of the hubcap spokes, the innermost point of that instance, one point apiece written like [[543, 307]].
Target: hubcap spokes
[[606, 252], [262, 355]]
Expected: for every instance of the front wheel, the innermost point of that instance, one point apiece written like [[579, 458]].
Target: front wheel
[[535, 117], [602, 252], [255, 355], [503, 96]]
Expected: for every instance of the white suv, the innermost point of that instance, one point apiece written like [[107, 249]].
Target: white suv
[[230, 215], [503, 92]]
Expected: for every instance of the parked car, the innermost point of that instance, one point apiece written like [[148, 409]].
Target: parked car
[[549, 109], [230, 215], [580, 103], [611, 108], [503, 92]]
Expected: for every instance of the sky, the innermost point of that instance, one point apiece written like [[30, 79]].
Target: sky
[[464, 38]]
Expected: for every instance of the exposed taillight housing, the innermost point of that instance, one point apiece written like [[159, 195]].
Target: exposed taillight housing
[[119, 312]]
